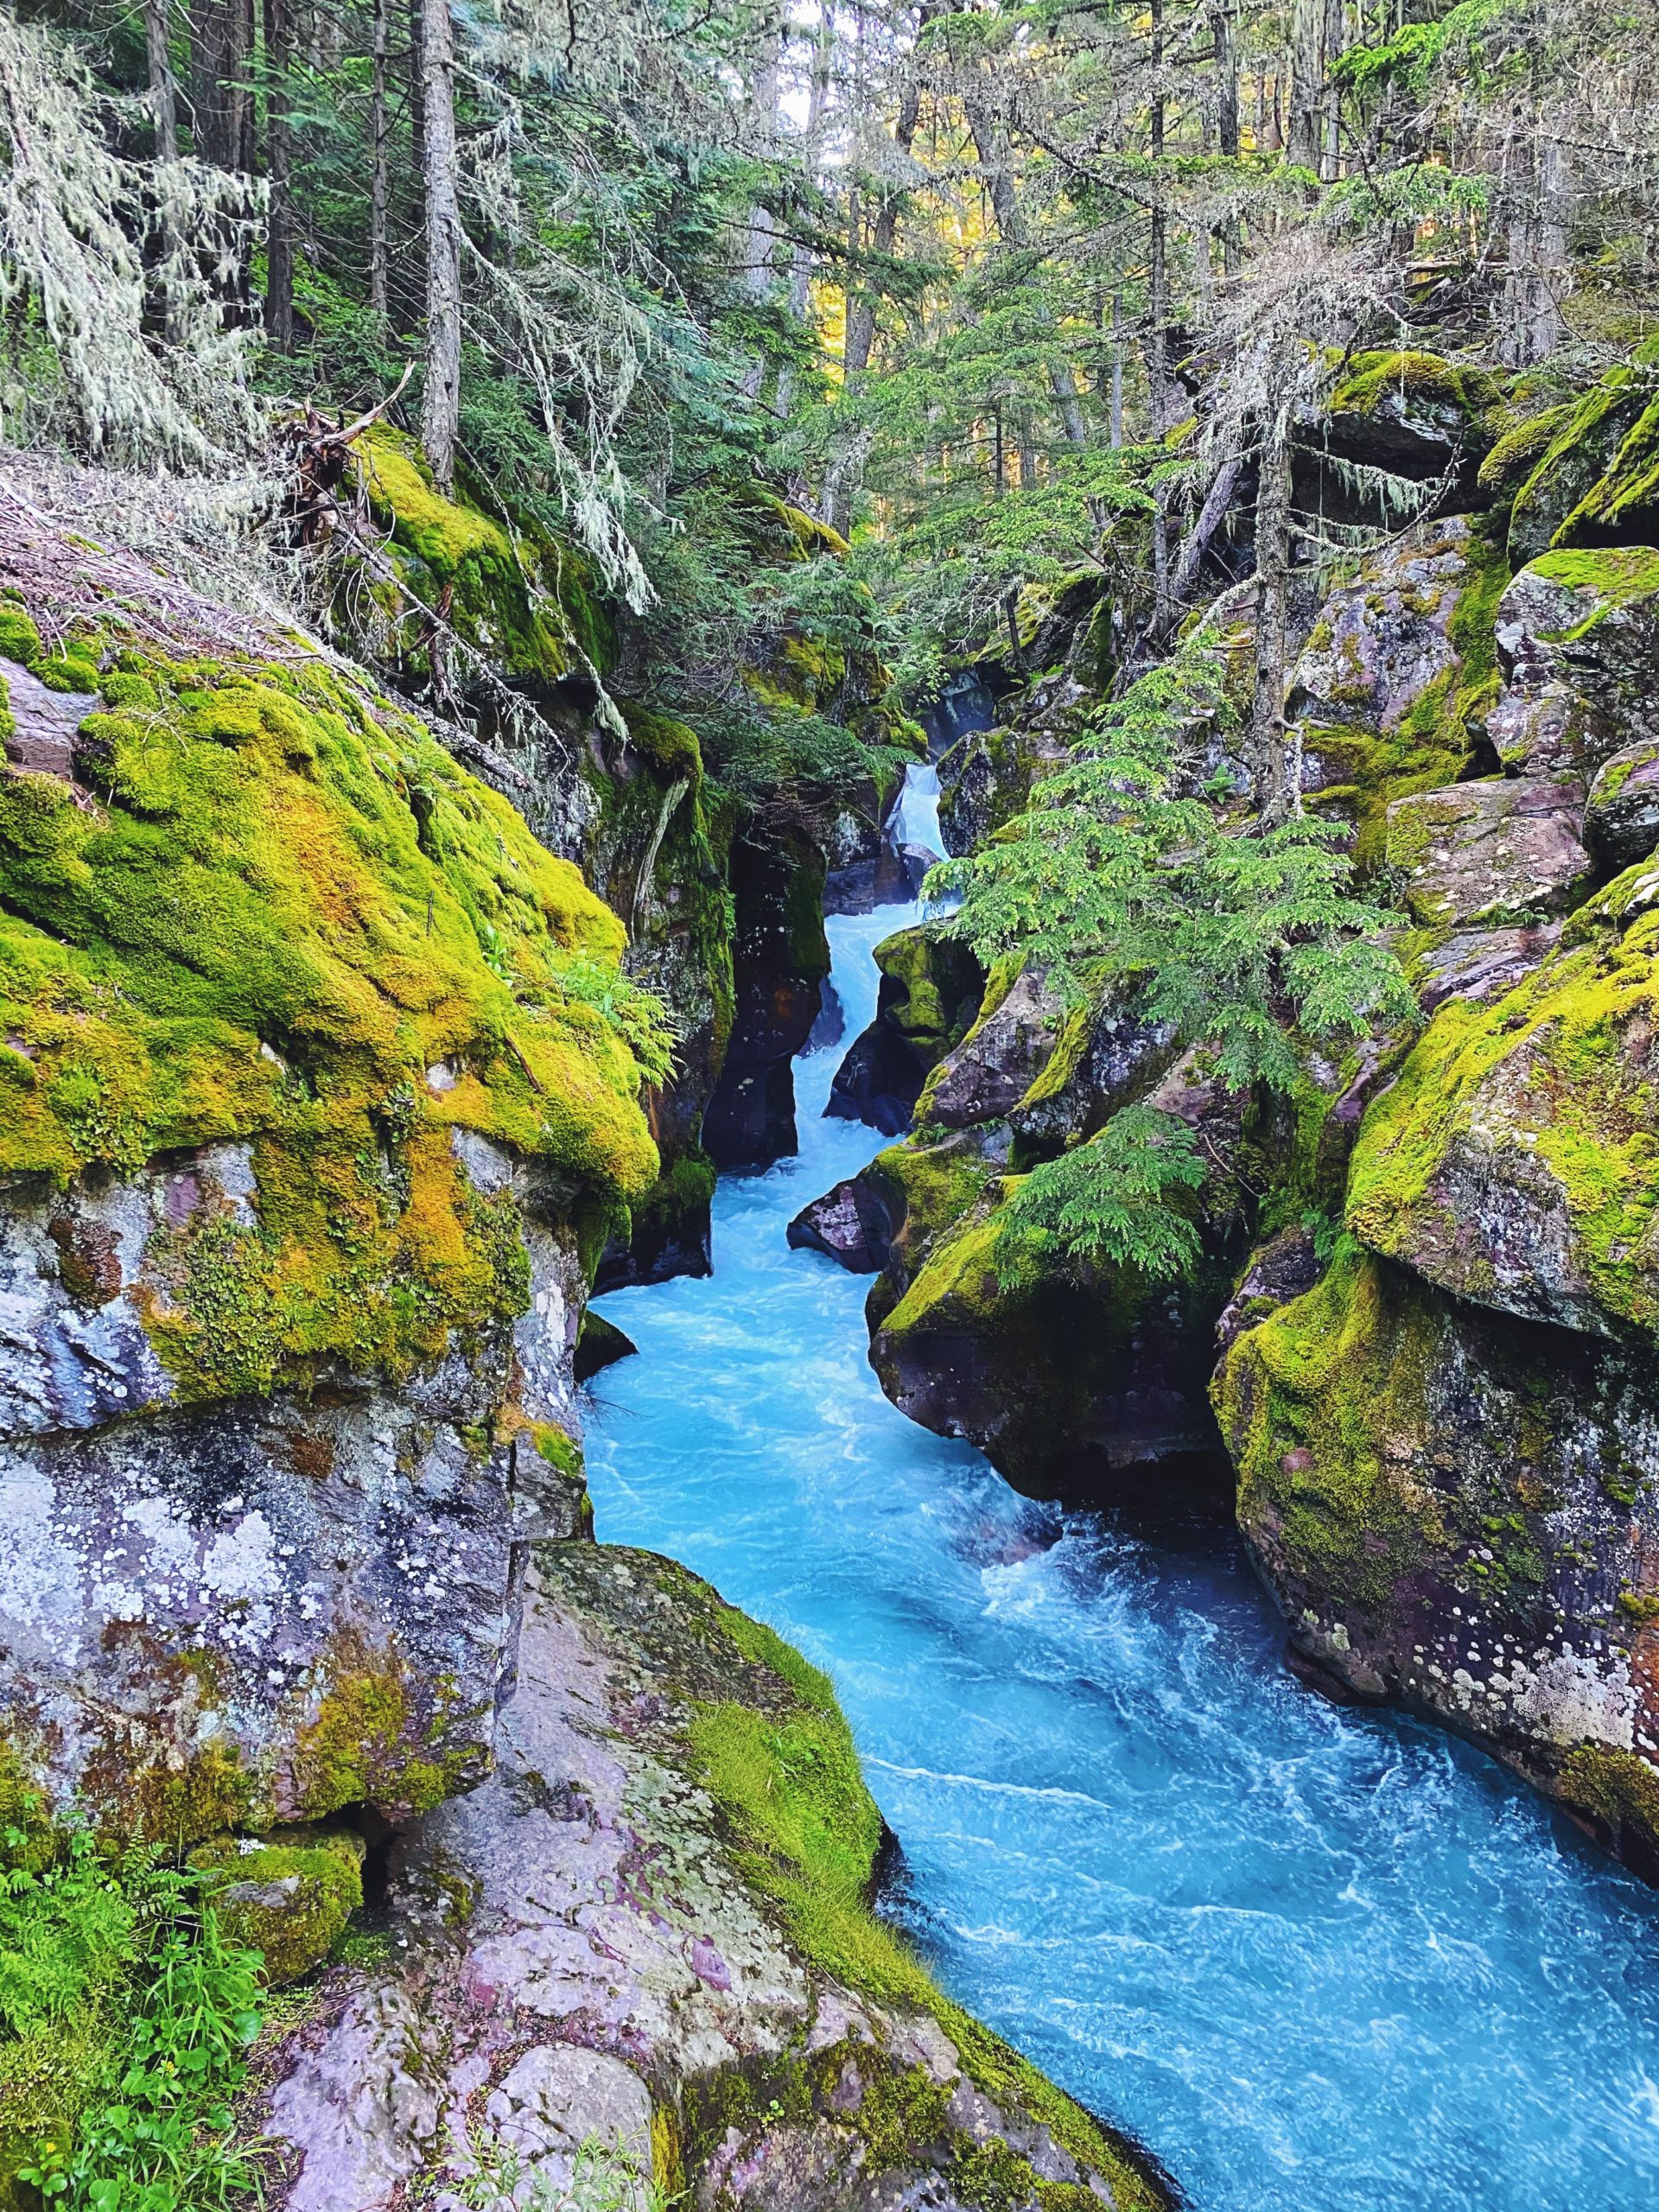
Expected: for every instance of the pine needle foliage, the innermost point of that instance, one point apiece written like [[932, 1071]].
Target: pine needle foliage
[[1115, 1198], [1123, 878]]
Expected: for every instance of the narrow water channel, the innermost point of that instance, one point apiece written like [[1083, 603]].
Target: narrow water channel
[[1318, 1961]]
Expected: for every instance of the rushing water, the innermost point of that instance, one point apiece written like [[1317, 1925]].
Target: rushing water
[[1318, 1961]]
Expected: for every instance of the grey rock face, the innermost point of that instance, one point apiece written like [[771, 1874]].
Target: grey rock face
[[1382, 640], [230, 1614], [1578, 644], [998, 1060]]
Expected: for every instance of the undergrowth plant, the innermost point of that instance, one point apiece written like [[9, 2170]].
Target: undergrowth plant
[[125, 2015], [1109, 1199]]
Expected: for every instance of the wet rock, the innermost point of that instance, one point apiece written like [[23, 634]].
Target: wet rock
[[1497, 852], [930, 993], [1512, 1160], [1621, 817], [599, 1345], [1461, 1510], [585, 1944], [779, 961], [849, 1225]]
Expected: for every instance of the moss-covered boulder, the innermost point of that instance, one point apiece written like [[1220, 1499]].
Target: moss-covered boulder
[[652, 1929], [1069, 1379], [1461, 1510], [929, 995], [1391, 692], [1621, 817], [1547, 464], [288, 1895], [1516, 1159], [1395, 420], [1578, 643]]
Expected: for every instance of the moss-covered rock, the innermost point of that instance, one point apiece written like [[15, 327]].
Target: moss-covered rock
[[1460, 1510], [1548, 465], [1393, 688], [322, 1084], [1069, 1381], [1578, 641], [1488, 854], [1516, 1159], [1621, 817], [679, 1842], [288, 1895], [930, 994]]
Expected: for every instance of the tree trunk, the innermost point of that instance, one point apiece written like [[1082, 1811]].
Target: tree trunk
[[440, 401], [1306, 38], [1274, 799], [164, 91], [1011, 229], [221, 52], [1329, 55], [378, 175], [279, 222], [1221, 25], [1156, 343]]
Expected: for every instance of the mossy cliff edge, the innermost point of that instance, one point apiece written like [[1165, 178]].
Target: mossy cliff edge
[[323, 1092], [651, 1927]]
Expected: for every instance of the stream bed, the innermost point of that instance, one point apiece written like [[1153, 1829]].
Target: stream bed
[[1316, 1959]]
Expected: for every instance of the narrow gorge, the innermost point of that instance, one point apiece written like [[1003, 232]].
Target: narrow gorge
[[829, 1037]]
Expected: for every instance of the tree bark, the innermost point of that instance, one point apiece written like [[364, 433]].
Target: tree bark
[[380, 171], [279, 221], [440, 400], [1275, 800], [163, 90], [222, 50]]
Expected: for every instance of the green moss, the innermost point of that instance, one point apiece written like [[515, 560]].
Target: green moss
[[1616, 576], [1586, 434], [288, 1897], [806, 1832], [19, 639], [507, 587], [1374, 378], [1619, 1790], [291, 905], [1561, 1049], [375, 1738], [1623, 502], [1306, 1400]]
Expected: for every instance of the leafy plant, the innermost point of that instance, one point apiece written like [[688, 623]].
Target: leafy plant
[[125, 2015]]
